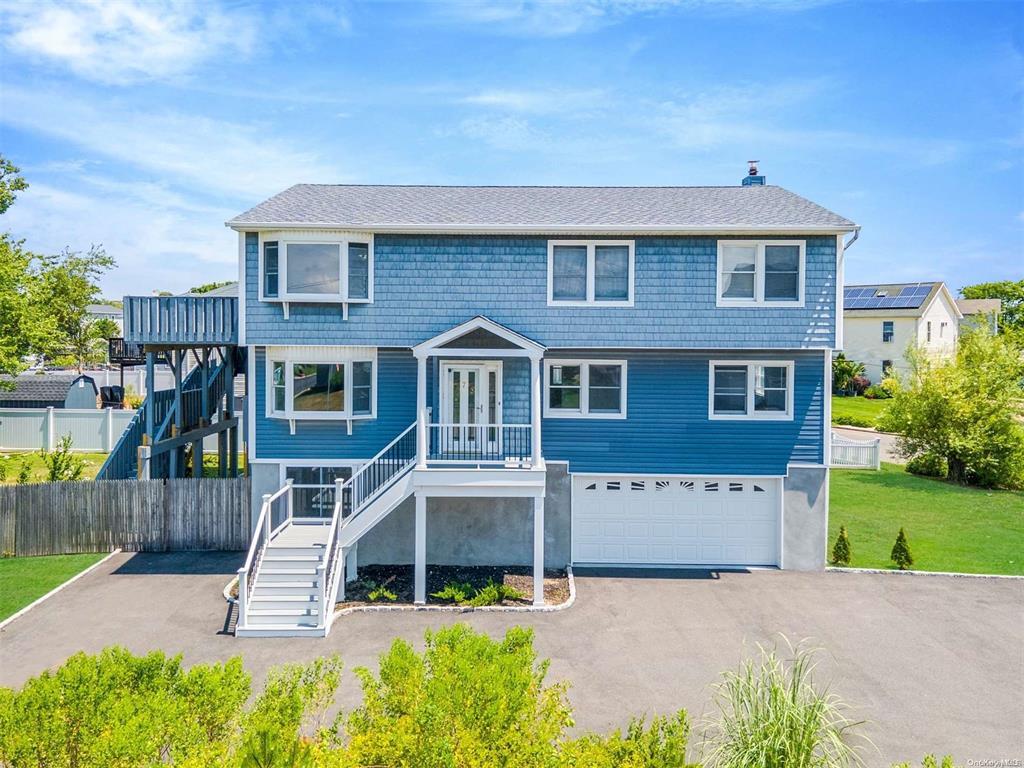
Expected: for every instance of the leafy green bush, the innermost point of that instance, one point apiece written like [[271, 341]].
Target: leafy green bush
[[930, 762], [901, 552], [662, 745], [852, 421], [465, 701], [116, 709], [876, 392], [771, 714], [454, 591], [61, 464], [927, 465], [493, 593], [379, 592], [841, 549], [24, 473]]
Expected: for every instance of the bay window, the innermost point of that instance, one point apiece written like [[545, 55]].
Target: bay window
[[331, 269], [321, 390]]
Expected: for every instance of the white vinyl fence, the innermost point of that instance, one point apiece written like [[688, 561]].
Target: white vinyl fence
[[856, 454], [29, 429]]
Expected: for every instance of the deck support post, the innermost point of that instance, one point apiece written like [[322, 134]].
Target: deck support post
[[420, 592], [535, 411], [538, 550], [150, 389], [229, 408], [421, 412], [177, 363]]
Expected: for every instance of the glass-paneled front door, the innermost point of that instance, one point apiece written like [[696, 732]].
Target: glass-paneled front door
[[470, 410]]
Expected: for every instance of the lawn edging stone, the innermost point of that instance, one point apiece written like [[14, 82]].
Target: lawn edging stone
[[895, 572], [58, 588]]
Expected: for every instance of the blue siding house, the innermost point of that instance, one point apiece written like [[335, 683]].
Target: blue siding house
[[533, 375]]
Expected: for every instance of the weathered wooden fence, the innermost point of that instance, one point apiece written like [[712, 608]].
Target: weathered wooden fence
[[135, 515]]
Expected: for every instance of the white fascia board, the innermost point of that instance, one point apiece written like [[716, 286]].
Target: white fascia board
[[583, 229]]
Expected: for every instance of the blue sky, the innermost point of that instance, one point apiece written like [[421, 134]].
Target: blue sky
[[145, 125]]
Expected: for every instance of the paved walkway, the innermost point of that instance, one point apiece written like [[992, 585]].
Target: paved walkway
[[935, 663], [887, 442]]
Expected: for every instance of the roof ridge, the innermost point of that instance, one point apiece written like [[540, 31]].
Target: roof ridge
[[541, 186]]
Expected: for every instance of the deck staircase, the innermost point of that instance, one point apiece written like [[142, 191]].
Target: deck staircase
[[295, 568]]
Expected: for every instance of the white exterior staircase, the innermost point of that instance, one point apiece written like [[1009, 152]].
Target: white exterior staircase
[[295, 568]]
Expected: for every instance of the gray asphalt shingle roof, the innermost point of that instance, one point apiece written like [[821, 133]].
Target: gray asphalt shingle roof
[[35, 387], [534, 208]]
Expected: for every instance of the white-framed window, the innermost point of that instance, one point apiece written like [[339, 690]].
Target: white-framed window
[[316, 268], [761, 273], [590, 389], [887, 331], [591, 273], [750, 389], [928, 331], [321, 390], [313, 486]]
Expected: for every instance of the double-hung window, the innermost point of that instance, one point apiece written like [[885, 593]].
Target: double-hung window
[[760, 273], [321, 390], [740, 389], [585, 273], [585, 389], [333, 269], [887, 331]]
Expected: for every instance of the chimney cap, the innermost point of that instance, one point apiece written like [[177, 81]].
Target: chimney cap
[[752, 167]]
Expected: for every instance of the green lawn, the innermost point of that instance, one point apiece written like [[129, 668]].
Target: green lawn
[[11, 461], [856, 411], [24, 579], [949, 528]]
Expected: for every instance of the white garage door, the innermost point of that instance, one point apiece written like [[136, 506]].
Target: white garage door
[[669, 520]]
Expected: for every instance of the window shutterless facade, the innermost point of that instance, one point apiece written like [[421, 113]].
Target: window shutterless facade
[[591, 273], [327, 270], [750, 389], [756, 273], [594, 389], [321, 390]]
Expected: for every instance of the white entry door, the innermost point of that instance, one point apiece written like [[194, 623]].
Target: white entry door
[[471, 409], [650, 520]]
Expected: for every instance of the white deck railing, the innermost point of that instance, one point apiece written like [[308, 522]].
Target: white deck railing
[[267, 526], [856, 454]]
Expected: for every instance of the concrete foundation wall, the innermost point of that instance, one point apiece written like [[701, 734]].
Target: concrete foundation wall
[[805, 519], [266, 478], [476, 531]]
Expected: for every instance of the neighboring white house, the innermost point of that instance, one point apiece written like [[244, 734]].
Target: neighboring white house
[[977, 312], [881, 321]]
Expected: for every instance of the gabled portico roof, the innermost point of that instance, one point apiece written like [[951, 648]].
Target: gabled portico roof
[[515, 344]]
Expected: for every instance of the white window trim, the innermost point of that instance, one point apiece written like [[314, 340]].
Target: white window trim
[[342, 240], [759, 275], [893, 336], [291, 359], [751, 414], [591, 301], [584, 409]]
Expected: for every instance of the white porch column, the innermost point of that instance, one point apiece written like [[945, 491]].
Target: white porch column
[[538, 550], [351, 563], [420, 591], [535, 410], [421, 412]]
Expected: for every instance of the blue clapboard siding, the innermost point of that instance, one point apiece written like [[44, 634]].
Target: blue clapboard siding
[[396, 410], [667, 429], [426, 285]]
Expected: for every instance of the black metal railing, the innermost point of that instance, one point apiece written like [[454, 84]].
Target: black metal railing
[[378, 473], [125, 352], [480, 443]]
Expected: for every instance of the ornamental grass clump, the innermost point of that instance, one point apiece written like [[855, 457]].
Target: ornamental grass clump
[[901, 552], [841, 549], [771, 715]]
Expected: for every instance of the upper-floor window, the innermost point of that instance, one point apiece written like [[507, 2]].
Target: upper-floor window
[[590, 273], [585, 389], [321, 390], [887, 331], [338, 270], [760, 273], [743, 389], [928, 330], [942, 330]]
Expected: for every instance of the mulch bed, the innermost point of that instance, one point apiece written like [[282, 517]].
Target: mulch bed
[[399, 579]]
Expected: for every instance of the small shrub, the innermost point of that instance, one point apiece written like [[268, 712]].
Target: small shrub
[[24, 472], [859, 384], [875, 392], [662, 745], [890, 384], [454, 591], [901, 552], [493, 593], [841, 549], [927, 465], [379, 592], [6, 554], [930, 762], [3, 470], [852, 421], [61, 464], [772, 714]]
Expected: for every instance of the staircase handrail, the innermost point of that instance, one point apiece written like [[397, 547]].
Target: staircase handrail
[[350, 483], [261, 535], [329, 566]]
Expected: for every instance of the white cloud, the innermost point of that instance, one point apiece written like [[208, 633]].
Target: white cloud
[[125, 41], [539, 101], [507, 133], [209, 154]]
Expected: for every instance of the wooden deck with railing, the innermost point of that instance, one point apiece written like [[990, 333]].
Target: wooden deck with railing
[[181, 320]]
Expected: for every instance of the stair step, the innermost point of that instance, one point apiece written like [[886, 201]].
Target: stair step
[[293, 616], [290, 572], [301, 575], [270, 555], [289, 550], [282, 602], [292, 586]]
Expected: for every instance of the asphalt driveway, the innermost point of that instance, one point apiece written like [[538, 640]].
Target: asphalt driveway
[[935, 663]]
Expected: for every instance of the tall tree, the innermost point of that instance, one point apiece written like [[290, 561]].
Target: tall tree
[[1011, 293], [11, 183], [26, 326]]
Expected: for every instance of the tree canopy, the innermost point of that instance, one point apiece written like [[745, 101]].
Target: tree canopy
[[1011, 293], [11, 183]]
